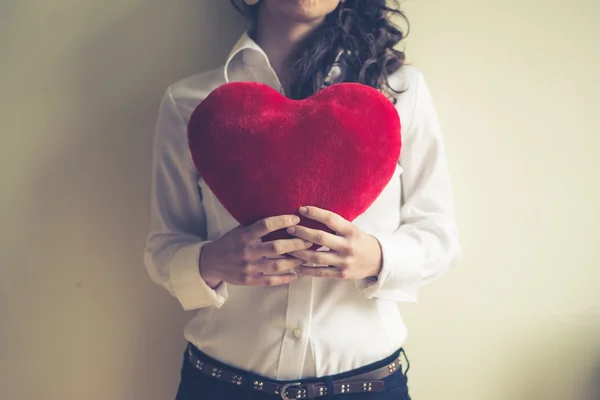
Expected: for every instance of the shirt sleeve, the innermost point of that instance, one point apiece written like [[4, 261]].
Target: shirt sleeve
[[178, 220], [426, 244]]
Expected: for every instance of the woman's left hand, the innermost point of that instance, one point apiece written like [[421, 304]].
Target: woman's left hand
[[352, 253]]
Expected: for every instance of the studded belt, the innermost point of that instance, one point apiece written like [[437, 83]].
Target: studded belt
[[365, 382]]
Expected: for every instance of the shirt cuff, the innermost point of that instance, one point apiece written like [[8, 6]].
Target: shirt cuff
[[400, 275], [187, 283]]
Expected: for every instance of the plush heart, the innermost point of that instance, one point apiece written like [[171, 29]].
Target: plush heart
[[263, 154]]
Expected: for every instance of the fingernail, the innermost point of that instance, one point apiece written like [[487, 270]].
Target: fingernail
[[296, 219], [307, 243], [291, 230], [303, 210]]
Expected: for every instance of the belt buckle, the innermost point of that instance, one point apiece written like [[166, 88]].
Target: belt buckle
[[285, 387]]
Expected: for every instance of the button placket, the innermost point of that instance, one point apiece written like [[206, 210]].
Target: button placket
[[298, 319]]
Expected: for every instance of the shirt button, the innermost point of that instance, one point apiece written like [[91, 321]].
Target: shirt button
[[298, 333]]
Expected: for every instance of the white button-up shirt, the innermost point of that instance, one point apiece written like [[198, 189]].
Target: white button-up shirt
[[313, 326]]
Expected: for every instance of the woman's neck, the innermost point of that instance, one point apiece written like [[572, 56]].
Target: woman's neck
[[278, 38]]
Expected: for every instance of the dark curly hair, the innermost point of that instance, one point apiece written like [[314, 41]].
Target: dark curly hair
[[361, 31]]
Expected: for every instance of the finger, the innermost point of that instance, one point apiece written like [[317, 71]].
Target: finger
[[278, 266], [322, 272], [335, 222], [318, 236], [278, 247], [265, 226], [318, 257], [272, 280]]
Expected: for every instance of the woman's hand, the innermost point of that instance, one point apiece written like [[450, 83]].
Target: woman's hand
[[352, 255], [239, 256]]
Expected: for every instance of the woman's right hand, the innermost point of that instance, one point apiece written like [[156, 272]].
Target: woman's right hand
[[240, 257]]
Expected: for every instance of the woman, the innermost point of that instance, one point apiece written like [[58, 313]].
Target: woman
[[276, 319]]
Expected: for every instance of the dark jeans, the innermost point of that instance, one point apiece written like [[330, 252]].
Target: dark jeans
[[195, 385]]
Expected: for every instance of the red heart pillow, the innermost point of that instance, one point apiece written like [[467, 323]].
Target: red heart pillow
[[263, 154]]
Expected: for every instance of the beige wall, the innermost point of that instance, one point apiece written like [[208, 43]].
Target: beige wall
[[516, 83]]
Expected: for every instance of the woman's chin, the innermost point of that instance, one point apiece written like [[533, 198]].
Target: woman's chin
[[307, 10]]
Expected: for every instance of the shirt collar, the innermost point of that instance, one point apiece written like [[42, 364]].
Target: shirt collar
[[250, 53]]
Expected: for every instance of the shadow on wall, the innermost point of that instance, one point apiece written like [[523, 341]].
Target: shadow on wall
[[593, 390], [87, 207], [554, 363]]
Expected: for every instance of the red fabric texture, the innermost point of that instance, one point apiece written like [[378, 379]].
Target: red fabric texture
[[263, 154]]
